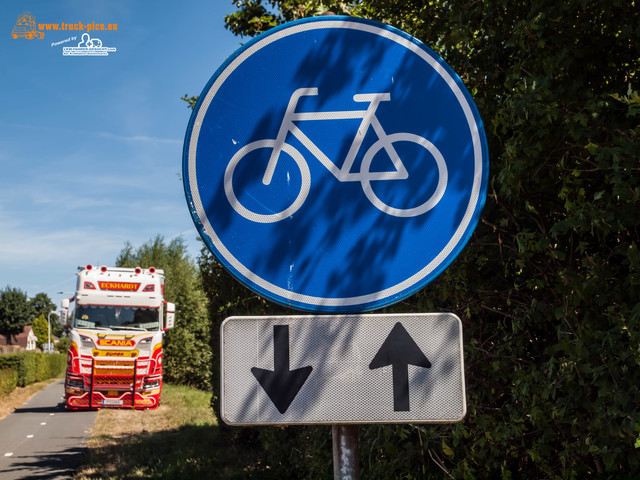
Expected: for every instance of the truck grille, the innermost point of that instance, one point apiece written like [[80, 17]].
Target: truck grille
[[116, 381]]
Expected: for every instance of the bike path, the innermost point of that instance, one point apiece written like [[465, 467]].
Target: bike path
[[43, 440]]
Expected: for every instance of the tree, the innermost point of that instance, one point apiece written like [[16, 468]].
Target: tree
[[63, 345], [548, 287], [187, 355], [15, 312], [42, 305], [41, 330], [253, 18]]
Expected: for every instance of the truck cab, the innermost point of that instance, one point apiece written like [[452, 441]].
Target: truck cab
[[117, 325]]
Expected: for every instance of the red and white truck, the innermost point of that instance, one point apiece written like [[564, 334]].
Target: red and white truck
[[117, 323]]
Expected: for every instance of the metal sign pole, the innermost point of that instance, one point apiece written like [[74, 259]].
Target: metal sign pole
[[345, 452]]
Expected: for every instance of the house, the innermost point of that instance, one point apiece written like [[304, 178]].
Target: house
[[27, 339]]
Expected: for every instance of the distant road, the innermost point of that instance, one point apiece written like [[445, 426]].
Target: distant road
[[42, 440]]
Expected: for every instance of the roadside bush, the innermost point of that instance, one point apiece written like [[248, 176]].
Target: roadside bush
[[33, 367], [63, 345], [8, 381], [55, 365]]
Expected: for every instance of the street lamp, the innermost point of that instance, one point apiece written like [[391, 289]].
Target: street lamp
[[49, 349], [67, 306]]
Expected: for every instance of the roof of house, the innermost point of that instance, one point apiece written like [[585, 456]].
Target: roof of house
[[20, 339]]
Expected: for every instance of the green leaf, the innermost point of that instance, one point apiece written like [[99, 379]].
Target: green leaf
[[447, 449]]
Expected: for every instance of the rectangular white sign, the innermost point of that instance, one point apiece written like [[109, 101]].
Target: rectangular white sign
[[341, 369]]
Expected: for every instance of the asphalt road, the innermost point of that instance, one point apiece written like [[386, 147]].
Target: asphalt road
[[42, 440]]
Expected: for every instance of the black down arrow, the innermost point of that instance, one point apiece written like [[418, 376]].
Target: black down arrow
[[281, 385], [399, 350]]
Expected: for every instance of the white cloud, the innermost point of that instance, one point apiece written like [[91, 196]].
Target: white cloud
[[80, 133], [28, 244], [140, 138]]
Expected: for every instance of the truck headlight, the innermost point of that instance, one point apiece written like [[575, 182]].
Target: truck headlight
[[76, 383], [151, 384]]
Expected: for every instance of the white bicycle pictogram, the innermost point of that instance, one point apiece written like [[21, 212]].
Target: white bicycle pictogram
[[344, 174]]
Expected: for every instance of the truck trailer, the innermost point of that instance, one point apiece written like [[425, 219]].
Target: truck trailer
[[116, 320]]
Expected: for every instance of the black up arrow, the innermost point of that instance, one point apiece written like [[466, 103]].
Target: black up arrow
[[281, 385], [399, 350]]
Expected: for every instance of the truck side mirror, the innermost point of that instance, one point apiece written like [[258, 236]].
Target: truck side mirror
[[64, 312], [171, 316]]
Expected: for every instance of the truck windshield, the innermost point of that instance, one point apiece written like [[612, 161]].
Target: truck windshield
[[108, 316]]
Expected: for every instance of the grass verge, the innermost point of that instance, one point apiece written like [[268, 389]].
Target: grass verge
[[178, 440], [20, 395]]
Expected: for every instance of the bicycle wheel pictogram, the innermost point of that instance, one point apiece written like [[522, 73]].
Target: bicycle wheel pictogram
[[432, 152], [276, 216]]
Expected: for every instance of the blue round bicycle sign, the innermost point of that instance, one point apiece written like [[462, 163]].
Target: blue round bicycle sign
[[335, 164]]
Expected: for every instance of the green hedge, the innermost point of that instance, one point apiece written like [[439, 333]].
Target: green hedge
[[33, 367], [8, 381]]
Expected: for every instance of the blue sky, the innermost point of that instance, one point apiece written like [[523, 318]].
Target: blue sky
[[91, 147]]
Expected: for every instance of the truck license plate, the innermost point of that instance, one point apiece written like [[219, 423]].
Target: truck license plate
[[112, 401]]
